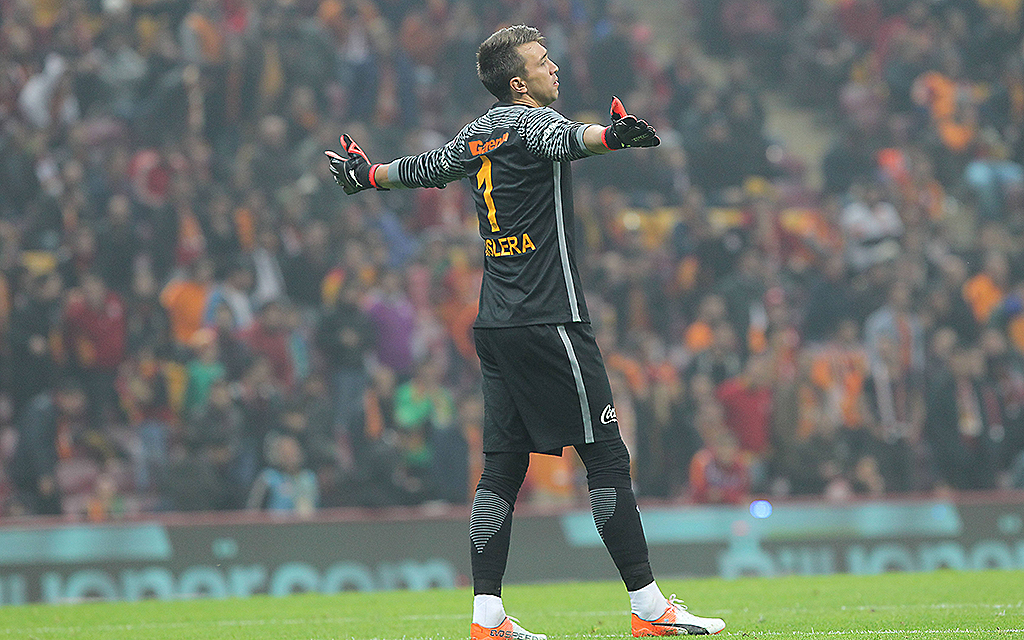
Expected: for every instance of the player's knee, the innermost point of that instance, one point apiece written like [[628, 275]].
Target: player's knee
[[607, 463], [503, 473]]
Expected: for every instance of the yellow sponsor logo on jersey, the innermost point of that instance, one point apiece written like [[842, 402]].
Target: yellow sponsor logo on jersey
[[476, 147], [508, 246]]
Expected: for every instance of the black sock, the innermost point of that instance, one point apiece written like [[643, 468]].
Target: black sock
[[490, 522], [618, 522], [490, 527], [615, 512]]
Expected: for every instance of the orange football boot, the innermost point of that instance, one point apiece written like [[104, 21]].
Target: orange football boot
[[676, 621], [509, 629]]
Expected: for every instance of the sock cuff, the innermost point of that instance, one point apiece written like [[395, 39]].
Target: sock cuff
[[650, 587], [639, 576]]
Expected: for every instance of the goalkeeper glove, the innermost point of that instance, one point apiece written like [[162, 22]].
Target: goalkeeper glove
[[627, 131], [352, 170]]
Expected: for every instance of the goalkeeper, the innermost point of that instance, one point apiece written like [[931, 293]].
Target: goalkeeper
[[544, 381]]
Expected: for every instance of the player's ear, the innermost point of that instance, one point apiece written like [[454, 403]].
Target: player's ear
[[518, 86]]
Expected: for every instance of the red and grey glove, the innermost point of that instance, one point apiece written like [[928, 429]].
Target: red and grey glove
[[352, 169], [627, 131]]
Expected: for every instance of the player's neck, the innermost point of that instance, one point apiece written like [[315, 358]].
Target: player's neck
[[527, 100]]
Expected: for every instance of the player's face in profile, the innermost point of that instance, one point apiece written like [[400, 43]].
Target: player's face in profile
[[541, 73]]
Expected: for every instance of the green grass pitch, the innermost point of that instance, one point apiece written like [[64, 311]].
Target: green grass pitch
[[945, 604]]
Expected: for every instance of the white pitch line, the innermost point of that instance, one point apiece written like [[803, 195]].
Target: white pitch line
[[561, 613], [772, 634], [727, 633], [867, 632], [936, 605], [885, 607]]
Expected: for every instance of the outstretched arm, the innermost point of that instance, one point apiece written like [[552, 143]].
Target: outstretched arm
[[435, 168], [545, 132], [550, 135]]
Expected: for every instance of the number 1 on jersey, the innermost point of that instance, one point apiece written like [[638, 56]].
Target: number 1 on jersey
[[483, 181]]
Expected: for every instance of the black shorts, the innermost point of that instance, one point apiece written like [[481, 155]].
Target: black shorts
[[545, 388]]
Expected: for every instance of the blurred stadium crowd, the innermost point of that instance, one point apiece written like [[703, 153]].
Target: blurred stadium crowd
[[193, 316]]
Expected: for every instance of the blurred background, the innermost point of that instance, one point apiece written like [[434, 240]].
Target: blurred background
[[813, 287]]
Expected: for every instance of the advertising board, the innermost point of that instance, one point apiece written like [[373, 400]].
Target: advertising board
[[221, 556]]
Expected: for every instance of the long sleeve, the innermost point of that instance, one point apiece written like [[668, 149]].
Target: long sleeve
[[545, 133], [437, 167], [550, 135]]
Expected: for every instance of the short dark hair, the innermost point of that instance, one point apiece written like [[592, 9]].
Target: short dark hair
[[498, 59]]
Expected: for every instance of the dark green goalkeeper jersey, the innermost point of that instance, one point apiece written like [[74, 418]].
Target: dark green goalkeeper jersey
[[517, 161]]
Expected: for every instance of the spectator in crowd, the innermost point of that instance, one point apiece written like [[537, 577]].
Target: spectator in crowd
[[946, 306], [996, 183], [425, 413], [700, 334], [333, 457], [142, 390], [394, 318], [198, 478], [269, 280], [52, 85], [146, 320], [984, 292], [839, 372], [719, 472], [95, 333], [201, 372], [962, 424], [52, 429], [185, 298], [898, 324], [713, 164], [829, 301], [1004, 368], [805, 433], [743, 290], [669, 435], [117, 244], [305, 271], [316, 443], [105, 503], [298, 337], [722, 360], [822, 53], [268, 338], [345, 339], [285, 486], [218, 422], [895, 397], [233, 293], [746, 399], [32, 338], [261, 400], [871, 226], [232, 351], [846, 162]]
